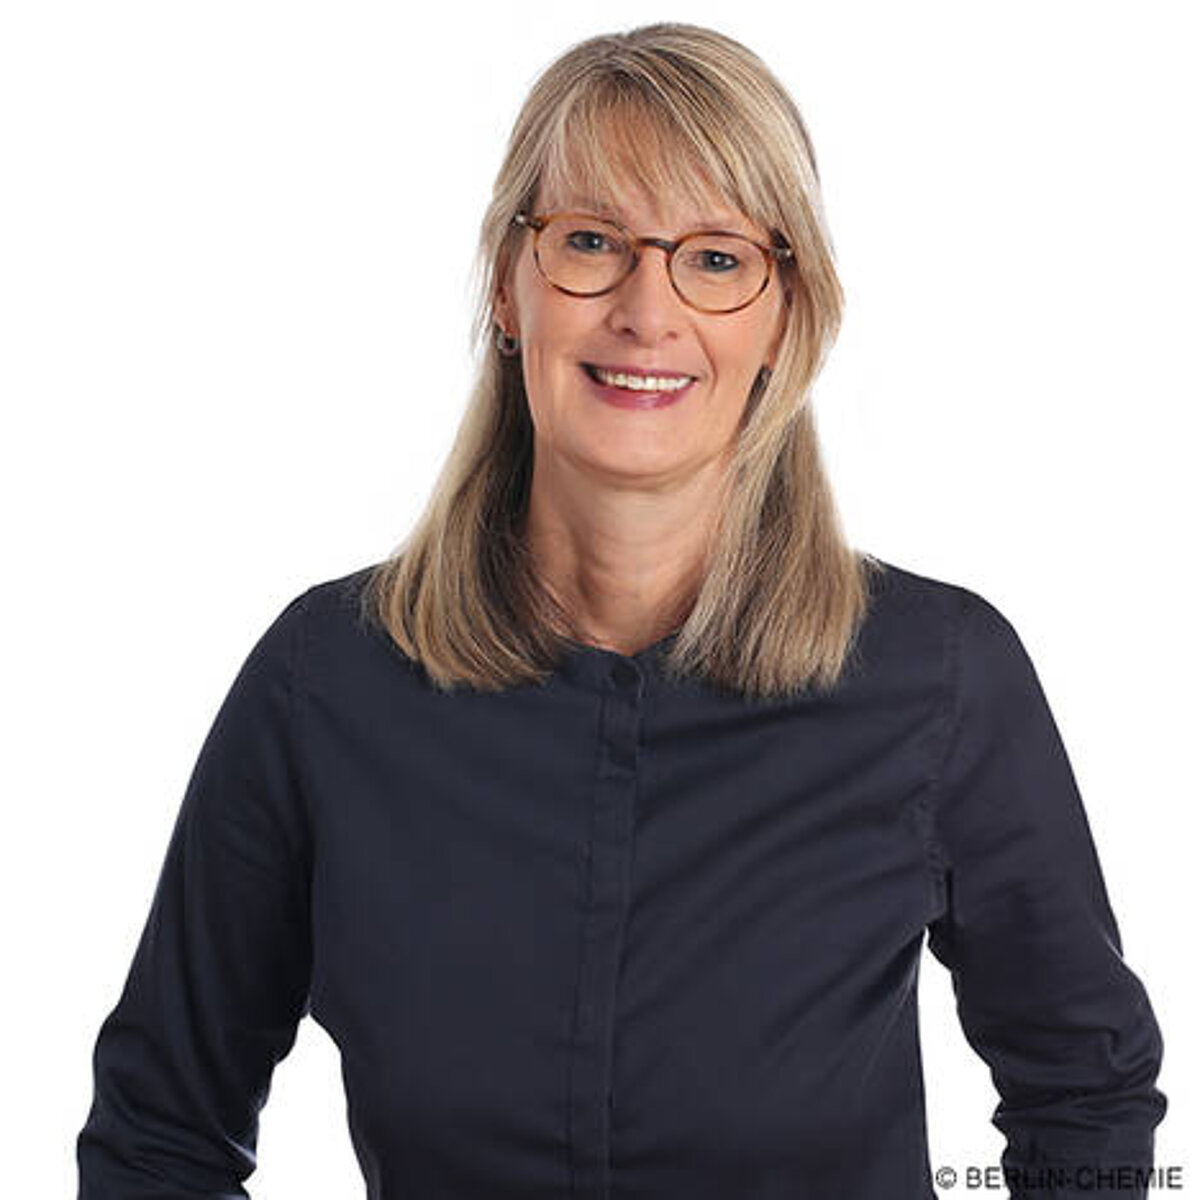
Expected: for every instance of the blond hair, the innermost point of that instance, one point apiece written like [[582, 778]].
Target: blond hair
[[782, 595]]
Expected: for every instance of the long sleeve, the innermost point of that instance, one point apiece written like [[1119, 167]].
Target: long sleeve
[[1043, 992], [220, 979]]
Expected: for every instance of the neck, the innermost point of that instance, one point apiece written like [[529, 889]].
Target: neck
[[625, 562]]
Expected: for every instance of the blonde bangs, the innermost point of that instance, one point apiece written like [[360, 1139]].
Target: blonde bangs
[[618, 142]]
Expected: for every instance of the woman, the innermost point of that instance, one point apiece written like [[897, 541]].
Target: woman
[[602, 825]]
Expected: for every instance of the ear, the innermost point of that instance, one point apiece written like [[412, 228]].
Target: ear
[[502, 310]]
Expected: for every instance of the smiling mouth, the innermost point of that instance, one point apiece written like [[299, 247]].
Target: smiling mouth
[[590, 370]]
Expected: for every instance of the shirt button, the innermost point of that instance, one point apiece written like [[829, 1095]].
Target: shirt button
[[624, 673]]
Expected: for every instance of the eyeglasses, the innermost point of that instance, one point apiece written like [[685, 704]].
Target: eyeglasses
[[714, 271]]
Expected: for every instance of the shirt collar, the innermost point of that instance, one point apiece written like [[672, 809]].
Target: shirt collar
[[597, 667]]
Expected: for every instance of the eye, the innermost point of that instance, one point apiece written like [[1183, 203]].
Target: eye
[[710, 261], [587, 240], [719, 260]]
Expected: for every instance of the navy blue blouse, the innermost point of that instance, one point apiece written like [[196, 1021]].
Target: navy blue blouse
[[612, 937]]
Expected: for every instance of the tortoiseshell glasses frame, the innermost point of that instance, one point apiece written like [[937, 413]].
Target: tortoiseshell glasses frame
[[771, 254]]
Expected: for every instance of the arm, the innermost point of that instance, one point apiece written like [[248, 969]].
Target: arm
[[219, 982], [1044, 994]]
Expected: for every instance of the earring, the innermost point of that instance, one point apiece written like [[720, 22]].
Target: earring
[[505, 344]]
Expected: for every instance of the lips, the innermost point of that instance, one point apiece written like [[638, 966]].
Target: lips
[[642, 372], [636, 399]]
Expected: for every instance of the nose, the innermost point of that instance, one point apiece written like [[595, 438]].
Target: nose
[[645, 301]]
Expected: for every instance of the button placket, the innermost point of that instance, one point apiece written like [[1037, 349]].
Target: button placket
[[621, 702]]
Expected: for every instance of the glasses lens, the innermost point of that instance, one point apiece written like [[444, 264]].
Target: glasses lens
[[587, 255], [718, 272], [582, 254]]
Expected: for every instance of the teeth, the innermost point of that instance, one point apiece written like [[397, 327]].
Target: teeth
[[641, 383]]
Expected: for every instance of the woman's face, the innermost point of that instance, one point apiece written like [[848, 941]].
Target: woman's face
[[641, 323]]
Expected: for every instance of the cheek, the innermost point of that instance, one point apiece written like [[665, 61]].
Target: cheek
[[548, 325], [737, 357], [552, 386], [759, 337], [545, 371]]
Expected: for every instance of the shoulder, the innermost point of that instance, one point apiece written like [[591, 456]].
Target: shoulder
[[942, 632], [337, 636], [901, 596], [899, 593], [333, 600], [905, 591], [337, 597]]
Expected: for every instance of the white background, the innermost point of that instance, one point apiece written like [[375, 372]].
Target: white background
[[235, 244]]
